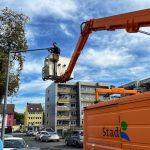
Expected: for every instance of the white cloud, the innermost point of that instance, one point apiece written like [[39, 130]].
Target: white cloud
[[136, 70], [65, 30], [119, 38], [21, 102], [57, 8], [33, 66], [30, 37], [36, 86], [141, 4], [106, 58], [113, 75], [27, 99]]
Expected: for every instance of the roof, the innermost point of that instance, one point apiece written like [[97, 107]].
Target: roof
[[34, 107], [142, 82], [9, 109]]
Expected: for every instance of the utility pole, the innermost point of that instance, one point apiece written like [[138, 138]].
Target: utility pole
[[5, 98]]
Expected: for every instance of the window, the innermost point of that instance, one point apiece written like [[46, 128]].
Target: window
[[72, 96], [73, 105], [48, 99], [73, 122], [73, 113], [59, 122], [73, 88]]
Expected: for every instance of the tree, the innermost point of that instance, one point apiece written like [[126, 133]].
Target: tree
[[12, 37], [19, 118]]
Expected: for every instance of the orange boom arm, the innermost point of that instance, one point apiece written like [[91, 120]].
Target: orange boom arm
[[131, 22], [114, 91]]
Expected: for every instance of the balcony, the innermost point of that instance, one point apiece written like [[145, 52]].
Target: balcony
[[88, 92], [63, 90], [73, 117], [63, 126], [63, 108], [73, 108], [63, 101], [63, 117]]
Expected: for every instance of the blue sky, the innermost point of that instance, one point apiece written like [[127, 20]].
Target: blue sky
[[114, 57]]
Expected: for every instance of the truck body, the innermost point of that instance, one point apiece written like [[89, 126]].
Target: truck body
[[121, 124]]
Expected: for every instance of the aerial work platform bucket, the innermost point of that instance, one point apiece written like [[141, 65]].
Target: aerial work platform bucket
[[54, 66]]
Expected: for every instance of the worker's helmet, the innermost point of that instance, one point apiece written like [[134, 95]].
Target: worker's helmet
[[54, 44]]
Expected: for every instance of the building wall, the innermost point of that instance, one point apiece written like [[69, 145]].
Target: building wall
[[1, 120], [34, 119], [50, 104], [64, 104], [25, 118], [142, 85], [10, 120], [9, 116]]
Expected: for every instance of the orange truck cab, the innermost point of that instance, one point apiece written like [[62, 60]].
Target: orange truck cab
[[122, 124]]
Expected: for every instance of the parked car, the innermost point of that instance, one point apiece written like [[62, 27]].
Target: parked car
[[51, 136], [14, 143], [35, 133], [40, 134], [29, 132], [75, 138], [7, 135]]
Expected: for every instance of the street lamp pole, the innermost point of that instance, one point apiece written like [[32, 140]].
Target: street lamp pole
[[5, 98], [6, 87]]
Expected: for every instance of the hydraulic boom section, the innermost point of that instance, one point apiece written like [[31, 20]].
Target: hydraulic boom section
[[113, 91], [131, 22]]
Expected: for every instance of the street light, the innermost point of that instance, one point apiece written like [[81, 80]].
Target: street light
[[6, 87]]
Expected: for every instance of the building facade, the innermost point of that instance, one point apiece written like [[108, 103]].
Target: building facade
[[64, 103], [33, 116], [9, 117], [143, 85]]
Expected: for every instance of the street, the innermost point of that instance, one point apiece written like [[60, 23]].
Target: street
[[47, 145]]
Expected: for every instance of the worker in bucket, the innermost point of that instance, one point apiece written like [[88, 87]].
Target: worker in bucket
[[55, 50]]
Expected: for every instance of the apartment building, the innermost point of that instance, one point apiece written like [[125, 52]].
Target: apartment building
[[33, 116], [143, 85], [64, 103]]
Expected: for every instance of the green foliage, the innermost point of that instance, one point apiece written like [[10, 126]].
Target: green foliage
[[12, 37], [19, 118]]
